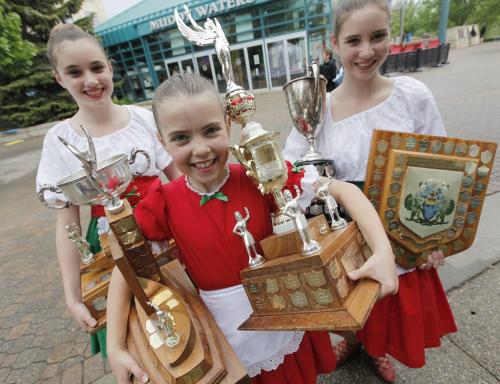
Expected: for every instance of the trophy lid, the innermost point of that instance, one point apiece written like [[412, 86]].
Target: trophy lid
[[253, 131]]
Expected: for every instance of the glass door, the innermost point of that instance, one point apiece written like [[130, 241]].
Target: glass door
[[297, 59], [257, 66], [205, 67], [277, 64]]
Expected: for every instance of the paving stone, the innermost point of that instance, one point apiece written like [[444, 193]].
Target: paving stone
[[93, 368], [26, 357], [4, 373], [61, 352], [32, 373], [21, 343], [17, 331], [72, 375], [14, 376], [52, 380], [50, 370], [8, 361]]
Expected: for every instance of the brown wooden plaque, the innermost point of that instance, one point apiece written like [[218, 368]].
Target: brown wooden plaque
[[295, 292], [428, 191]]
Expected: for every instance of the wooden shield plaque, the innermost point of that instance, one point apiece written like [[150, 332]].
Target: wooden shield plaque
[[428, 191]]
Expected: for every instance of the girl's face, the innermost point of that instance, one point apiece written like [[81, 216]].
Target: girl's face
[[83, 69], [195, 134], [363, 42]]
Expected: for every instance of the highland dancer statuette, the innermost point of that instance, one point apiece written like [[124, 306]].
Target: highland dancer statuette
[[240, 229]]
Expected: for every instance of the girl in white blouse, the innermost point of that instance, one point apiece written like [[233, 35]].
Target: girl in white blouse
[[80, 66], [417, 317]]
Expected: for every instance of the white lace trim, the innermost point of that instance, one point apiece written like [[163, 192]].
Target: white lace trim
[[219, 186], [276, 360]]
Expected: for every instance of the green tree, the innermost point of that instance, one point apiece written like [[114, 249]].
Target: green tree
[[15, 54], [33, 96]]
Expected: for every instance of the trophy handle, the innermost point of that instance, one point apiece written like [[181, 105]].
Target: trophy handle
[[313, 71], [51, 188], [133, 155]]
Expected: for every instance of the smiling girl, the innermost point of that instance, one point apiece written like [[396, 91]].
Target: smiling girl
[[80, 65], [197, 210], [401, 325]]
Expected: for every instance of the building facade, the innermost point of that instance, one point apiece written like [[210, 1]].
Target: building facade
[[271, 42]]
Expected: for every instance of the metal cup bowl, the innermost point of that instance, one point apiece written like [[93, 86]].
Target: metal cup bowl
[[306, 100], [114, 174]]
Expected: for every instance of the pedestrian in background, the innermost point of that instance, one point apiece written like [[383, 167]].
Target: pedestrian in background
[[328, 69]]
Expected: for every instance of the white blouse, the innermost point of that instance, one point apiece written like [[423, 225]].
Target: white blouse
[[57, 162], [409, 108]]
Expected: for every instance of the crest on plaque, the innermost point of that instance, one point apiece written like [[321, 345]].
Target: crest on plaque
[[291, 281], [322, 296], [278, 302], [272, 286], [429, 200], [430, 197]]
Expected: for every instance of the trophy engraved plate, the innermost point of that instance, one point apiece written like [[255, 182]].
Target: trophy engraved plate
[[299, 299], [315, 279], [291, 281], [342, 287], [272, 286], [278, 302], [352, 259], [431, 194], [322, 296]]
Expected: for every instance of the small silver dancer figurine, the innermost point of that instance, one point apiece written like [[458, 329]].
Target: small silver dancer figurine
[[330, 204], [83, 247], [293, 211], [165, 324], [240, 229], [210, 33]]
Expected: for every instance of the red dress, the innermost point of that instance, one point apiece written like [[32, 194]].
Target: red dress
[[403, 325], [214, 256]]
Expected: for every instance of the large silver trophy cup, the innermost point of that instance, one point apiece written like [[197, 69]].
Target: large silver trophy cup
[[98, 182], [306, 100]]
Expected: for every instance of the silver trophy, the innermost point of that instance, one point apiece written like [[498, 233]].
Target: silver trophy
[[165, 323], [240, 104], [83, 247], [292, 210], [240, 229], [98, 182], [306, 100], [331, 206]]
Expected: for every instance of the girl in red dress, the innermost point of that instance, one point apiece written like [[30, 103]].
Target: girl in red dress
[[417, 317], [197, 210]]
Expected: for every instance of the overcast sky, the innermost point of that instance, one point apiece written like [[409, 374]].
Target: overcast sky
[[114, 7]]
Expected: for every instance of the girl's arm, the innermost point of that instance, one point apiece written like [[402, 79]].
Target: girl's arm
[[69, 261], [122, 363], [171, 171], [380, 266]]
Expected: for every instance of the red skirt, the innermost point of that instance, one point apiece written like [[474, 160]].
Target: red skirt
[[314, 356], [403, 325]]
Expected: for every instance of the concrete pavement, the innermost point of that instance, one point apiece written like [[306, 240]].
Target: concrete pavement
[[39, 342]]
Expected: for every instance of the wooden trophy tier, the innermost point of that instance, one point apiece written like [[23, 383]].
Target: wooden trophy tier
[[295, 292], [202, 354], [428, 191]]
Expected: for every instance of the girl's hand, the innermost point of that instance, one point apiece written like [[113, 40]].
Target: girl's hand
[[124, 367], [82, 316], [434, 260], [381, 268]]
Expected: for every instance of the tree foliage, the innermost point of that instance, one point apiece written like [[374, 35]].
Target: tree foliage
[[15, 53], [31, 95], [422, 16]]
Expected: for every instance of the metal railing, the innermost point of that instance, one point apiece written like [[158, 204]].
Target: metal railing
[[415, 60]]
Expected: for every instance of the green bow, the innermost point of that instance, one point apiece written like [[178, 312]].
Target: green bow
[[217, 195], [297, 168]]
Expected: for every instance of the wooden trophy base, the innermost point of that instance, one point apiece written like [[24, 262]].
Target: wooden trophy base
[[94, 282], [296, 292], [203, 355]]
